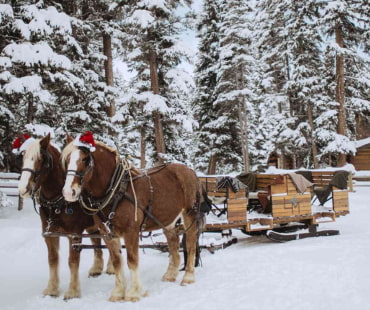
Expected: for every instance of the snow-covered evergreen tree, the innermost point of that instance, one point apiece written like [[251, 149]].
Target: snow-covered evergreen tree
[[52, 67], [206, 80], [345, 24], [35, 75], [159, 98], [235, 85]]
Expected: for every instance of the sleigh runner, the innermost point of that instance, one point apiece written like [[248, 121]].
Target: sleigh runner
[[276, 204]]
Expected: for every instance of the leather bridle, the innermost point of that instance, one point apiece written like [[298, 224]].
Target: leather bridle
[[47, 164], [82, 174]]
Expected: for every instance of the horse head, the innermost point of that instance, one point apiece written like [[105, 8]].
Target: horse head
[[88, 166], [78, 162], [36, 163]]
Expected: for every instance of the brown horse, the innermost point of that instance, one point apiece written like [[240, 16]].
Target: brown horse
[[152, 199], [43, 176]]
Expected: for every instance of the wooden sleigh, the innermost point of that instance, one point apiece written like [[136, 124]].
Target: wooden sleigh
[[292, 215], [288, 210]]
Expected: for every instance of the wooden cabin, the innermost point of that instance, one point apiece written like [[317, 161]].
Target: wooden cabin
[[361, 160]]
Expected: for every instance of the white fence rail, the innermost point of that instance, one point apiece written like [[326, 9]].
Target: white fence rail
[[9, 186]]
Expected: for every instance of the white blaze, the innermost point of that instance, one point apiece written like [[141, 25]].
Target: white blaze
[[25, 176], [67, 189]]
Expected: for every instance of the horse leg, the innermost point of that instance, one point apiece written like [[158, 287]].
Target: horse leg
[[114, 247], [74, 290], [110, 268], [173, 247], [98, 265], [53, 259], [134, 293], [191, 246]]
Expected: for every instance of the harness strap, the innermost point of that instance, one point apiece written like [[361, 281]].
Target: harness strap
[[110, 195], [147, 212]]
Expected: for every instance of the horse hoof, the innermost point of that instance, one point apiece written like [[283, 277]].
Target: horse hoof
[[132, 298], [71, 294], [51, 293], [94, 274], [168, 279], [188, 279], [116, 298]]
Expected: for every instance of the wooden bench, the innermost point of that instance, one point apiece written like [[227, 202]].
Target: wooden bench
[[280, 191], [236, 203], [322, 179]]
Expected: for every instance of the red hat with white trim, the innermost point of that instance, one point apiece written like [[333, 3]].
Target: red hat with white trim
[[21, 143], [86, 140]]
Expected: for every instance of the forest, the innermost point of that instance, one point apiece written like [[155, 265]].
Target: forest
[[220, 85]]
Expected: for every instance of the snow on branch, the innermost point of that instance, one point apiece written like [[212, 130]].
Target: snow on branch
[[340, 144], [153, 102], [23, 84], [142, 18], [47, 21], [5, 11], [36, 54]]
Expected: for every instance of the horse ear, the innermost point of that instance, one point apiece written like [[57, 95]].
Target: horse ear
[[44, 142], [69, 138]]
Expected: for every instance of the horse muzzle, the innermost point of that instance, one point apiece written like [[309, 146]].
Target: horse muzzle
[[25, 191], [71, 194]]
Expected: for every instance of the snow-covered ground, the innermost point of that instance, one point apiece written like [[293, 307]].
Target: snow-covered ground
[[331, 273]]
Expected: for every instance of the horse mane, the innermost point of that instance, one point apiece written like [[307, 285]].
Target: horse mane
[[70, 147], [34, 150]]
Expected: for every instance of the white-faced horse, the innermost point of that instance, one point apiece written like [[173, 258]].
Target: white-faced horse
[[146, 201], [43, 177]]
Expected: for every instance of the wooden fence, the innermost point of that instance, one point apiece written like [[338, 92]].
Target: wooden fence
[[9, 186]]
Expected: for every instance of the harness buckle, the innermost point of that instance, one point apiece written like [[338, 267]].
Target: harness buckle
[[49, 225], [111, 215]]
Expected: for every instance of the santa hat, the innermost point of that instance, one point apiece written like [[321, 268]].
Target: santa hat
[[22, 143], [86, 140]]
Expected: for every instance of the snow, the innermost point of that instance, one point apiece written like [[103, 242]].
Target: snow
[[330, 273], [363, 142]]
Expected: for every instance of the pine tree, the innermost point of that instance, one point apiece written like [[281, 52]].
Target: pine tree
[[154, 52], [35, 74], [235, 83], [206, 80], [289, 43], [346, 23]]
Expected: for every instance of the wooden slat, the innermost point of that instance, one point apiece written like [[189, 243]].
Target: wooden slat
[[237, 210], [239, 194], [283, 205]]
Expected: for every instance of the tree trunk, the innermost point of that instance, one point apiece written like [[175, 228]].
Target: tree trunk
[[313, 140], [30, 110], [158, 129], [142, 148], [108, 65], [243, 121], [339, 91], [212, 164], [244, 134], [362, 127]]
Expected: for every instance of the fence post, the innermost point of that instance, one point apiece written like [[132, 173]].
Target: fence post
[[350, 182], [20, 203]]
